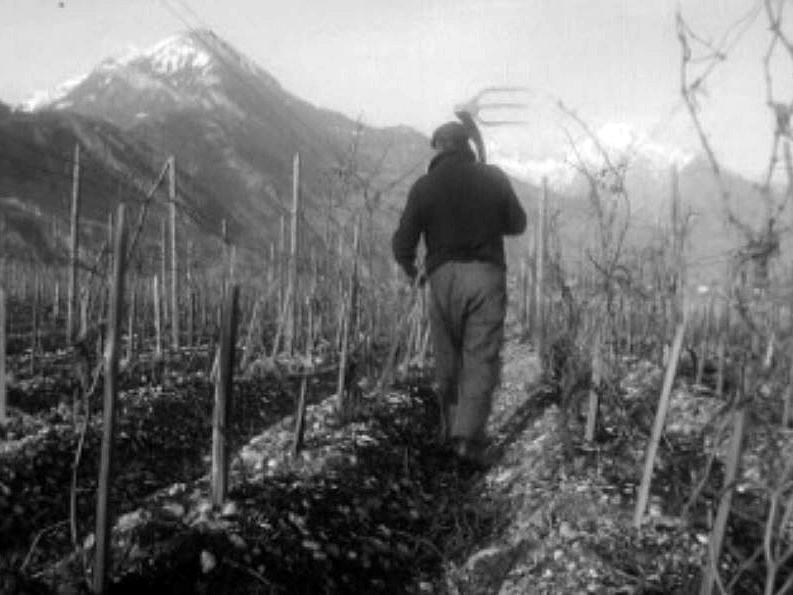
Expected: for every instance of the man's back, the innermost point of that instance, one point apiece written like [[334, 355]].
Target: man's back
[[463, 209]]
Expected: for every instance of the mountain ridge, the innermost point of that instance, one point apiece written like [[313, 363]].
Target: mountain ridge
[[234, 131]]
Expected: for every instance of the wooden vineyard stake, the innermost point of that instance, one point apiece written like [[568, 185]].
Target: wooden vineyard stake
[[103, 527], [720, 362], [133, 306], [703, 347], [271, 279], [539, 273], [594, 397], [3, 390], [253, 325], [56, 306], [163, 292], [174, 258], [291, 312], [74, 248], [34, 339], [348, 323], [155, 290], [658, 427], [300, 416], [302, 401], [531, 296], [223, 387], [84, 303], [524, 288], [224, 236], [191, 299], [677, 242], [191, 306], [281, 266], [732, 466]]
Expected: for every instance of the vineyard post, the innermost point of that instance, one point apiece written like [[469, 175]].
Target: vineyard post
[[84, 302], [56, 305], [110, 236], [191, 317], [291, 317], [133, 306], [531, 306], [224, 237], [523, 280], [312, 291], [348, 324], [539, 274], [732, 466], [594, 397], [787, 399], [720, 362], [281, 265], [34, 344], [223, 388], [247, 346], [163, 295], [232, 262], [340, 277], [272, 264], [103, 528], [3, 393], [300, 415], [190, 295], [74, 246], [629, 315], [677, 245], [704, 328], [155, 289], [174, 259], [658, 427]]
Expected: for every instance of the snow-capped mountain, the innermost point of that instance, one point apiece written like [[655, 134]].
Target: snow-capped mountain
[[193, 70], [644, 164], [48, 98], [613, 144], [233, 129]]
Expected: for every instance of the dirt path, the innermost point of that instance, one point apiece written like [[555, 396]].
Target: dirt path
[[565, 528]]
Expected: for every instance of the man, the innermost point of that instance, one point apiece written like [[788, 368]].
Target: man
[[462, 209]]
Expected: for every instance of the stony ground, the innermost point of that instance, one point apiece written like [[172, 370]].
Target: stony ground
[[377, 506]]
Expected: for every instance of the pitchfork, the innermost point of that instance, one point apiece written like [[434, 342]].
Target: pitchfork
[[493, 100]]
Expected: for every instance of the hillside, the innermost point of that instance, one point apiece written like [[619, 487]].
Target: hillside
[[234, 131]]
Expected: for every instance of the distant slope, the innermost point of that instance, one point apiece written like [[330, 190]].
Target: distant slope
[[234, 131]]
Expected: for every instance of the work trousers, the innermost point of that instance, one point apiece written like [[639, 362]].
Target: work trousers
[[467, 309]]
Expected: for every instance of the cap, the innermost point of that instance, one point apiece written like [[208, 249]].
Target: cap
[[450, 133]]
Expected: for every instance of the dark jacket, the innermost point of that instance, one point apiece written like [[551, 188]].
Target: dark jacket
[[463, 208]]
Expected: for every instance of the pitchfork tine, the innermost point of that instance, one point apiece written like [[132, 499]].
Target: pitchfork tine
[[501, 105], [485, 100]]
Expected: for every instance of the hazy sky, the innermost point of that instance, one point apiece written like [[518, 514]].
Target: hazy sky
[[410, 61]]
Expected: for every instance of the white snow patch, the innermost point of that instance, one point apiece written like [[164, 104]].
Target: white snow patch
[[625, 144], [557, 173], [41, 99], [622, 144], [177, 53]]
